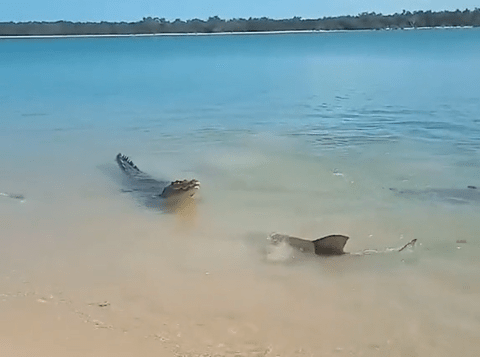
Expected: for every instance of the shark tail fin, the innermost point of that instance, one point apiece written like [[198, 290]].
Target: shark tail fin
[[409, 244], [127, 165], [330, 245]]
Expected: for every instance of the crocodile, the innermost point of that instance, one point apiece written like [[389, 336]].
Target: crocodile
[[155, 193]]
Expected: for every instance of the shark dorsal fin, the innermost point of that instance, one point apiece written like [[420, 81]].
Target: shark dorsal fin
[[330, 245]]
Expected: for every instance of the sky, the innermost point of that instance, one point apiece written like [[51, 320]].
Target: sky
[[120, 10]]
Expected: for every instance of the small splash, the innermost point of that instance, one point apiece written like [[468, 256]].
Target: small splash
[[336, 172], [14, 196], [279, 250]]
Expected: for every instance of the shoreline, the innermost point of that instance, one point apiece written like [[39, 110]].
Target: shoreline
[[154, 26], [251, 33]]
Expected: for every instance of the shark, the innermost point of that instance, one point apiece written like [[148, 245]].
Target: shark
[[282, 246], [468, 195]]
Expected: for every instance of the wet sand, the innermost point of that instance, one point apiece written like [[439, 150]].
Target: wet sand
[[85, 271]]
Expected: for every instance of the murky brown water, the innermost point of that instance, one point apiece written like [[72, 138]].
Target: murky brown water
[[85, 271]]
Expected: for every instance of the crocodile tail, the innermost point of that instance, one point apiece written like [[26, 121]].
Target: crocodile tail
[[127, 165]]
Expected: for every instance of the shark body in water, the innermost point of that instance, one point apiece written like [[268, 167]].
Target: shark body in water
[[282, 246], [469, 195], [152, 192]]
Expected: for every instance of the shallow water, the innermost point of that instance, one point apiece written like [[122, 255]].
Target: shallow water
[[302, 134]]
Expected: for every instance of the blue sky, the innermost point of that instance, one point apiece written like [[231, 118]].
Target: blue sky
[[109, 10]]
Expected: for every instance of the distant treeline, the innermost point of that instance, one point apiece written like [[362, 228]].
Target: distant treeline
[[149, 25]]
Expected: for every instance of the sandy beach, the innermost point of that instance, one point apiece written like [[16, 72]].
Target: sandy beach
[[105, 277]]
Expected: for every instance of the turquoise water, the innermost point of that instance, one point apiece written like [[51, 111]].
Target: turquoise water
[[302, 134], [343, 89]]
